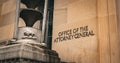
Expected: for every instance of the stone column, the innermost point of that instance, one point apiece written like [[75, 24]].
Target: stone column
[[107, 29]]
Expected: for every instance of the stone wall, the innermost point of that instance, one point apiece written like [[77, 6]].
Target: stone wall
[[75, 15], [72, 18], [7, 20], [84, 31]]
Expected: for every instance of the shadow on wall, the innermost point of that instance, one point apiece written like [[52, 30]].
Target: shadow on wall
[[67, 62]]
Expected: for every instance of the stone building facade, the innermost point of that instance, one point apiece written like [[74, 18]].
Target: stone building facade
[[84, 31]]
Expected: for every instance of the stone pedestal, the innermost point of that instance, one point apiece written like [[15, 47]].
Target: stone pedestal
[[27, 53]]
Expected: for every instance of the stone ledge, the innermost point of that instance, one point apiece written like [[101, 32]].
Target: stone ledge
[[28, 51]]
